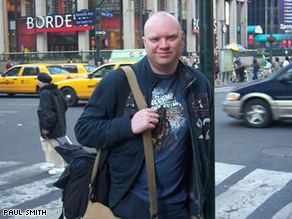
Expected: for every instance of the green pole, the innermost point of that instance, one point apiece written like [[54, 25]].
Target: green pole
[[207, 67], [97, 27]]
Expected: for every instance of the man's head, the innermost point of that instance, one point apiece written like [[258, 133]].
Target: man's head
[[43, 79], [163, 40]]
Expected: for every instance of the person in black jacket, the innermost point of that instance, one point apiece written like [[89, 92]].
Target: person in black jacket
[[52, 122], [179, 102]]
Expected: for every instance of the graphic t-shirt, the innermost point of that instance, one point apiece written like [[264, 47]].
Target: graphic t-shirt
[[171, 144]]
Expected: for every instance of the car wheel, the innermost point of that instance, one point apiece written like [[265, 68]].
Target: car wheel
[[257, 113], [70, 96]]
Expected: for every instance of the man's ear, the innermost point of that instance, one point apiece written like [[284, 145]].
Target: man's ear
[[182, 39], [144, 41]]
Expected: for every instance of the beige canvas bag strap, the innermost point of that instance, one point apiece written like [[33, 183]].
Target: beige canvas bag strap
[[94, 173], [147, 140]]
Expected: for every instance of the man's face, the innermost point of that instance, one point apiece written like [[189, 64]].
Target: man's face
[[163, 42]]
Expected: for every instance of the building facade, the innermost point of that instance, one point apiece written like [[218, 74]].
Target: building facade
[[69, 25]]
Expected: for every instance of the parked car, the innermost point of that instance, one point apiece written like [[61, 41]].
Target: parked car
[[22, 78], [82, 88], [261, 102], [79, 67]]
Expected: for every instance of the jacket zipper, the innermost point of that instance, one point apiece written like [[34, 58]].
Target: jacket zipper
[[192, 137]]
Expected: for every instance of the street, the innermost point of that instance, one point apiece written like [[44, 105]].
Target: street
[[253, 166]]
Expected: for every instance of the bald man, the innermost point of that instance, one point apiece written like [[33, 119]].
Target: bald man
[[180, 100]]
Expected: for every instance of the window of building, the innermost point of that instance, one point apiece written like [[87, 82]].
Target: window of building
[[61, 6], [17, 11]]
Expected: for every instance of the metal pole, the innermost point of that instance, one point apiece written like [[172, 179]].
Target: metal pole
[[121, 25], [207, 67], [97, 27], [271, 29], [140, 23]]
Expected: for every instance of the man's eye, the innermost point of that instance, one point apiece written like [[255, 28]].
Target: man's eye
[[154, 40], [171, 38]]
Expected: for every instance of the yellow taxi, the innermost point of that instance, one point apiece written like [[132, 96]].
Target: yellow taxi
[[79, 67], [22, 78], [82, 88]]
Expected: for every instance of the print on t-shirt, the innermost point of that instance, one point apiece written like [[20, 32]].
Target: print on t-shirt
[[171, 118]]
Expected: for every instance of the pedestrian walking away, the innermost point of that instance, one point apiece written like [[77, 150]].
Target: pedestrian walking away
[[268, 68], [256, 68], [278, 64], [180, 100], [52, 122], [8, 65], [286, 61], [239, 68]]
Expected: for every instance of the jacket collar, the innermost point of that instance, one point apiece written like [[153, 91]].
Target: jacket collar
[[147, 77]]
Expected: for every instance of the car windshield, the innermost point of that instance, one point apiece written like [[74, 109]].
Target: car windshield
[[90, 68], [57, 70]]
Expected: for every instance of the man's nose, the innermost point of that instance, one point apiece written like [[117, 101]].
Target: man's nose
[[164, 43]]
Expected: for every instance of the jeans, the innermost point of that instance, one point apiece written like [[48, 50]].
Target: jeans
[[132, 207]]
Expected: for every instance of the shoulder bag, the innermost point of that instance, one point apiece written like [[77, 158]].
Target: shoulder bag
[[96, 210]]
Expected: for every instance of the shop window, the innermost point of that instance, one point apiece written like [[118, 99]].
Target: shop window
[[61, 6]]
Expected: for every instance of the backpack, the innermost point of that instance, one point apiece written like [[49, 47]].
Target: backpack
[[75, 181]]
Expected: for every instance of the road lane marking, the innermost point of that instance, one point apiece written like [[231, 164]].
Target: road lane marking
[[21, 194], [241, 199], [224, 170]]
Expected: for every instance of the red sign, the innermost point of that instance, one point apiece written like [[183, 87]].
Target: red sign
[[60, 29], [284, 43], [250, 39]]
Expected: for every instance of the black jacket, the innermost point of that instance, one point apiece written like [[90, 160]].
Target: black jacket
[[51, 111], [106, 123]]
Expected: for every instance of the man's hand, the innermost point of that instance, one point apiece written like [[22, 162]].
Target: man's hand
[[45, 132], [143, 120], [193, 217]]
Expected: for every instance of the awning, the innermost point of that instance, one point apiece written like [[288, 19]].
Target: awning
[[262, 38], [254, 29]]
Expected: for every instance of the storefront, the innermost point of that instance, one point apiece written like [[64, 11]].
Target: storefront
[[60, 25]]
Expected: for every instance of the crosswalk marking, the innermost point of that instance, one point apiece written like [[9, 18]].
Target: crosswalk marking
[[244, 197], [223, 171], [238, 201], [53, 208], [20, 194], [8, 177], [4, 164]]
